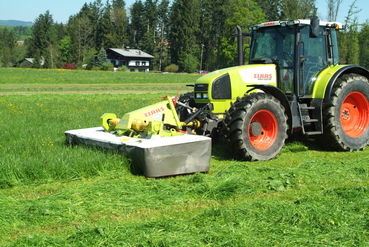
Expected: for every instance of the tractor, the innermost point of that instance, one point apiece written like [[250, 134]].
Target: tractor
[[292, 84]]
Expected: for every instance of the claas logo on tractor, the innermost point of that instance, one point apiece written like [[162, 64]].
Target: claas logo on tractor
[[263, 76]]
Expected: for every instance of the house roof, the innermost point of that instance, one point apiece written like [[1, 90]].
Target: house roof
[[31, 60], [131, 53]]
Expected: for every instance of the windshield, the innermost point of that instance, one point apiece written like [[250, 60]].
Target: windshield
[[276, 43]]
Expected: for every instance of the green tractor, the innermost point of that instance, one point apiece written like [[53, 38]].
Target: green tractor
[[293, 83]]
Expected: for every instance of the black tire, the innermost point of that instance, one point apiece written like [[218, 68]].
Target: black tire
[[187, 99], [242, 128], [336, 115]]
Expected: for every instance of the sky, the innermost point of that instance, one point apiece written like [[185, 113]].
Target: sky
[[28, 10]]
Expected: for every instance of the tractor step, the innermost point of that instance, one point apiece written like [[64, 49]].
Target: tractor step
[[307, 108], [311, 120], [312, 133]]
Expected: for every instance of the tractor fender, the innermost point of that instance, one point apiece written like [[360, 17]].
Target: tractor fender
[[344, 70], [278, 94]]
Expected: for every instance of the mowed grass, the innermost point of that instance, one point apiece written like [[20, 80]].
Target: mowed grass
[[56, 195]]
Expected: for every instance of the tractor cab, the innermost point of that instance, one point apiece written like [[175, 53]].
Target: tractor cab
[[300, 49]]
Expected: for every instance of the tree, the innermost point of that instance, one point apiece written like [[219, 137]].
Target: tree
[[244, 13], [212, 30], [65, 46], [137, 23], [298, 9], [364, 45], [349, 38], [105, 28], [60, 31], [101, 58], [82, 37], [7, 47], [288, 9], [353, 51], [21, 33], [120, 23], [271, 8], [90, 58], [94, 13], [43, 40], [184, 27], [163, 19], [190, 63], [333, 9], [112, 25], [151, 39]]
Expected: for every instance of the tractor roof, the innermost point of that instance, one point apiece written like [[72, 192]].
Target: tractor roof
[[336, 25]]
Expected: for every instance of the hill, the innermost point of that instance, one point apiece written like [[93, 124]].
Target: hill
[[15, 23]]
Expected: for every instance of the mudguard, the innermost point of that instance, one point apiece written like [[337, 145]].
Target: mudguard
[[344, 70]]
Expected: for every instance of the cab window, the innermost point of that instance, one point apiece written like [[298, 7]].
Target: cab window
[[313, 58]]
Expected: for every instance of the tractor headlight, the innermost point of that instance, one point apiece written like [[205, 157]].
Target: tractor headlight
[[205, 96], [198, 96]]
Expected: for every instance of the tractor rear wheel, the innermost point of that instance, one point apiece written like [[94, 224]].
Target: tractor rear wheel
[[346, 115], [256, 126]]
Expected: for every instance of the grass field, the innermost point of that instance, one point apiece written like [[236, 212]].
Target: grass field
[[32, 81], [55, 195]]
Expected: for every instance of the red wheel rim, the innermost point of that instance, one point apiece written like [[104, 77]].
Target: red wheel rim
[[266, 136], [354, 114]]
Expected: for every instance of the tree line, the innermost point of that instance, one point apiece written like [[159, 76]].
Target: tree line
[[191, 34]]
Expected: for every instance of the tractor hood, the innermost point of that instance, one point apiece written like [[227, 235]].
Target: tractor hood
[[222, 87], [255, 74]]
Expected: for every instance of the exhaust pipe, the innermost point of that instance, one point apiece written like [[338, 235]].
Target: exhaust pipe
[[239, 35]]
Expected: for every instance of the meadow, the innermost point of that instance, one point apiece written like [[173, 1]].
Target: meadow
[[52, 194]]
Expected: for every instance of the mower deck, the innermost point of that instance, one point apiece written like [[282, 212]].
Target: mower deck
[[155, 157]]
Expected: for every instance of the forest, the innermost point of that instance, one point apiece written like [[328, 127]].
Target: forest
[[188, 35]]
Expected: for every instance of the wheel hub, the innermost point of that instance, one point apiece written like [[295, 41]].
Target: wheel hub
[[256, 128], [345, 114]]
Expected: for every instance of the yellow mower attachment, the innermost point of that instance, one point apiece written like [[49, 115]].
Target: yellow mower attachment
[[145, 122]]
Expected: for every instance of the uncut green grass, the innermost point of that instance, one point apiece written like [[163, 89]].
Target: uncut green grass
[[42, 76], [55, 195], [33, 143]]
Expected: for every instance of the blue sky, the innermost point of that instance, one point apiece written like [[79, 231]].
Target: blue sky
[[28, 10]]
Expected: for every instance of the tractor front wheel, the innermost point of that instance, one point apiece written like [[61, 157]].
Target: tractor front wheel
[[256, 126], [346, 114]]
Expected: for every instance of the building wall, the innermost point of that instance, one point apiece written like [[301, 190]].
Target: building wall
[[139, 69], [139, 63]]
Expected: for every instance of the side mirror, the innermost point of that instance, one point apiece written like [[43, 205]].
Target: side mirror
[[314, 27]]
